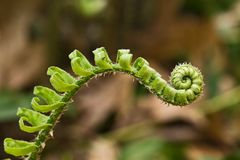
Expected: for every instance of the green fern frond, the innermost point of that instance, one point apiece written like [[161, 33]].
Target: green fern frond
[[186, 84]]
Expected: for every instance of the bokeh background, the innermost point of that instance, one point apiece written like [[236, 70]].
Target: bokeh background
[[115, 118]]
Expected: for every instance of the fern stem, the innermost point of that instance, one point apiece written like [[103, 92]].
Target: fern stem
[[44, 135]]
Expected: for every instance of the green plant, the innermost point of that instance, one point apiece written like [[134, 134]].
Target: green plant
[[186, 84]]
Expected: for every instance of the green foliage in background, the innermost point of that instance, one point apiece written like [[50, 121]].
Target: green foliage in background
[[90, 8], [206, 8], [9, 103], [152, 149]]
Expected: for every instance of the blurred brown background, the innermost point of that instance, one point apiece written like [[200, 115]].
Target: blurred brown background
[[114, 117]]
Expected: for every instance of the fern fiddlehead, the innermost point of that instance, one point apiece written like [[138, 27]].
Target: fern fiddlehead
[[186, 84]]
